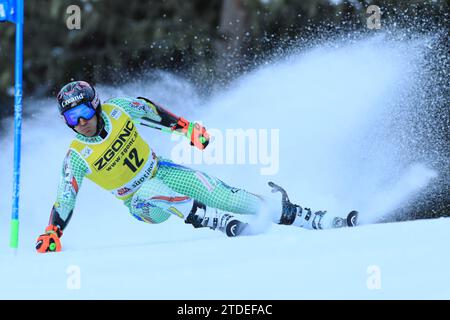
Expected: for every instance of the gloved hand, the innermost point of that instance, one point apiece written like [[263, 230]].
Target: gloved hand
[[195, 132], [49, 241]]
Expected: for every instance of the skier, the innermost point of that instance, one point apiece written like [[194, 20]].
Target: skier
[[109, 151]]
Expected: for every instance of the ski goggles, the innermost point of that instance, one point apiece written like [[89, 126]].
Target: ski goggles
[[84, 110]]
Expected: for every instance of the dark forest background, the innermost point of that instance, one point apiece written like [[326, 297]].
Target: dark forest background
[[207, 41]]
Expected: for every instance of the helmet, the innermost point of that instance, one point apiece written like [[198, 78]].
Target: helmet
[[75, 94]]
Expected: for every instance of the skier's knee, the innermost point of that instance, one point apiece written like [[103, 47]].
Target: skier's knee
[[146, 212], [137, 217], [152, 216], [157, 216]]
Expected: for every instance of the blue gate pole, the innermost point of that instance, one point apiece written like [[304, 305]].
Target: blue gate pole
[[14, 240]]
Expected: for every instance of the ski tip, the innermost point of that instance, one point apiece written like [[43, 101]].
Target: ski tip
[[235, 228], [275, 187]]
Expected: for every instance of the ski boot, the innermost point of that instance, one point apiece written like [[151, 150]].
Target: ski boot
[[292, 214], [352, 218], [202, 217]]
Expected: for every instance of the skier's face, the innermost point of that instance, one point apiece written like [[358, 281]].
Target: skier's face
[[87, 128]]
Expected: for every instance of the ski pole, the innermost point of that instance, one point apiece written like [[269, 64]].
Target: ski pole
[[163, 129]]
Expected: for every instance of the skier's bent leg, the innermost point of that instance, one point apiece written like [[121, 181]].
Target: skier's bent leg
[[155, 202], [214, 201], [208, 190], [293, 214], [305, 218]]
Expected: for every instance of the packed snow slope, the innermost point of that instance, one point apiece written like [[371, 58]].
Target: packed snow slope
[[329, 123], [171, 261]]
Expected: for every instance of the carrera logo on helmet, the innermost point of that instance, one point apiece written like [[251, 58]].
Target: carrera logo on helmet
[[73, 99]]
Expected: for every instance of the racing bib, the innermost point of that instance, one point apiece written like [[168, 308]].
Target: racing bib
[[122, 161]]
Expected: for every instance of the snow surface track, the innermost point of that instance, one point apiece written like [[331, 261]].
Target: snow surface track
[[407, 259]]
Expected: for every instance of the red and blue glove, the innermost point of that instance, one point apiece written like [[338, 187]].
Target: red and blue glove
[[49, 241]]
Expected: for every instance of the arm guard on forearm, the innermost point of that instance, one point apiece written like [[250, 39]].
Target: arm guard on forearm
[[195, 132]]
